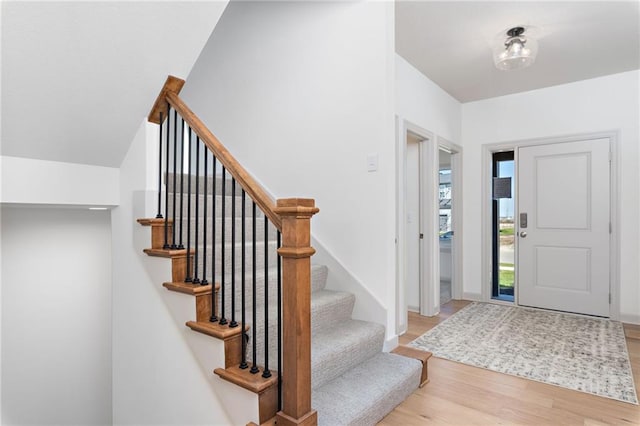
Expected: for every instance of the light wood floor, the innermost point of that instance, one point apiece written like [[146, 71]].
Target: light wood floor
[[458, 394]]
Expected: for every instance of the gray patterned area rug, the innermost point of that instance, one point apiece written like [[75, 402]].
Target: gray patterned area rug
[[576, 352]]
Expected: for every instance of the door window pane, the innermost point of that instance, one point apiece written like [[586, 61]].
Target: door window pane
[[503, 226]]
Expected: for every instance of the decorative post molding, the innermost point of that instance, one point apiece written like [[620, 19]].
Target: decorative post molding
[[296, 252]]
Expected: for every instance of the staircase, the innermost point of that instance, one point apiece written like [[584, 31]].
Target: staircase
[[350, 379]]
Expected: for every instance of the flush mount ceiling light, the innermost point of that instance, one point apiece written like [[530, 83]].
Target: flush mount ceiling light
[[514, 49]]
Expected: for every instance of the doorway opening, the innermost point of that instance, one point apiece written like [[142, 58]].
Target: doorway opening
[[414, 226], [503, 227], [418, 220], [445, 225]]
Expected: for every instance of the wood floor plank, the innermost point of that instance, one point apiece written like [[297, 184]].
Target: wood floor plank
[[459, 394], [632, 331]]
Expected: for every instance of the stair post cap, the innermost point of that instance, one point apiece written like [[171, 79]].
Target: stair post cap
[[296, 207]]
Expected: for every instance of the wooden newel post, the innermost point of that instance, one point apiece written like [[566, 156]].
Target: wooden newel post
[[296, 252]]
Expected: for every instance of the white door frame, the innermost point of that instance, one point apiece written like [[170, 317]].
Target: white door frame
[[403, 127], [430, 244], [614, 258]]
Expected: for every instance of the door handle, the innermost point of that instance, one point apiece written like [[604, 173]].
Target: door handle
[[523, 234]]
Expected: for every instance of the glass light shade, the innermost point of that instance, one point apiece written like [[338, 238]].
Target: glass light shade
[[516, 52]]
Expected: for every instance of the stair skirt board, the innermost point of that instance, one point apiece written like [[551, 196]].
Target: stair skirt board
[[354, 382]]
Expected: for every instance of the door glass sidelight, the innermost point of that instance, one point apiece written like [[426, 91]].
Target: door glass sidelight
[[503, 226]]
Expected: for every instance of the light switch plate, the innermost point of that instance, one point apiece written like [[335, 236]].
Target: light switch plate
[[372, 162]]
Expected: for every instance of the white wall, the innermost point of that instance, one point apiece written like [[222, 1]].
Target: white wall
[[301, 93], [423, 103], [29, 181], [157, 378], [600, 104], [56, 316]]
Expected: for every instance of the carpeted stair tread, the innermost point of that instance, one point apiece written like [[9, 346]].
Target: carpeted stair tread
[[326, 305], [329, 309], [323, 304], [229, 200], [260, 248], [340, 348], [318, 276], [228, 245], [365, 394], [170, 177], [272, 232]]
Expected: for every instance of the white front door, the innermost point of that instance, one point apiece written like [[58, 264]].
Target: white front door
[[563, 249]]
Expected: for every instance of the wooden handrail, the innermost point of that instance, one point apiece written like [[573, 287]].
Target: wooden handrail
[[246, 181], [293, 218], [169, 94]]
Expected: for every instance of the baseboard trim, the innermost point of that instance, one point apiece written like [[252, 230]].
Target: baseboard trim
[[630, 319], [413, 309], [390, 344], [476, 297]]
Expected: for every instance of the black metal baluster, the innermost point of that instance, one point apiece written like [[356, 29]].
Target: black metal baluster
[[196, 280], [175, 172], [166, 245], [243, 364], [279, 244], [204, 220], [254, 367], [213, 317], [188, 278], [233, 322], [223, 243], [159, 215], [266, 373], [180, 246]]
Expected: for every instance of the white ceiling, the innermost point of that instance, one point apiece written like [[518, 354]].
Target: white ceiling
[[79, 77], [450, 42]]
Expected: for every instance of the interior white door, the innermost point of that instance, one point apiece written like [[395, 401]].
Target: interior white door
[[563, 248]]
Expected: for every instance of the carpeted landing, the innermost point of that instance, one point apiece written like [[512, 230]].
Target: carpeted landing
[[572, 351]]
